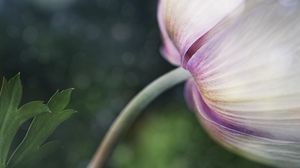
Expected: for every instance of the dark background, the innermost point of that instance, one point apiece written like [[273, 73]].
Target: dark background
[[107, 50]]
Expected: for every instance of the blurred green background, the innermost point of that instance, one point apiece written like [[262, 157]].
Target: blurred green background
[[108, 50]]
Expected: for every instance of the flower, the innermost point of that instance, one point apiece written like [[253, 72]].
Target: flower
[[244, 57]]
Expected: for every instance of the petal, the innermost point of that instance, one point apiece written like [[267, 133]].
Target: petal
[[168, 50], [185, 21], [188, 94], [248, 143], [248, 76]]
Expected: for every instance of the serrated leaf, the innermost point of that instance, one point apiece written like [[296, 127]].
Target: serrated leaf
[[43, 126], [32, 109], [11, 118], [60, 100]]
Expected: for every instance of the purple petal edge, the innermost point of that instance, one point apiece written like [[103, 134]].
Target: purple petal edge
[[196, 102], [168, 49]]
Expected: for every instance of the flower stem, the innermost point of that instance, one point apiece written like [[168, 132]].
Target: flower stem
[[132, 110]]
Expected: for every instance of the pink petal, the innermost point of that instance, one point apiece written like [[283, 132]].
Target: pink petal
[[168, 50], [247, 80], [185, 21], [188, 94]]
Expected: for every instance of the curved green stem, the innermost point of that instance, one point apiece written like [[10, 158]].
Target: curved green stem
[[132, 110]]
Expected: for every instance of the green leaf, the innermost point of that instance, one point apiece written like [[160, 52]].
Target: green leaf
[[60, 100], [43, 126], [11, 118], [45, 120], [44, 152], [32, 109]]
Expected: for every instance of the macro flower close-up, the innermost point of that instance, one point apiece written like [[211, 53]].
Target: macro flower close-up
[[150, 84]]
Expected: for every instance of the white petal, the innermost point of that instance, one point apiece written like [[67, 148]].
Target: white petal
[[249, 77], [188, 20], [168, 50]]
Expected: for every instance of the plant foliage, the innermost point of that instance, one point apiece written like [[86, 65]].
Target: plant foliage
[[45, 118]]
